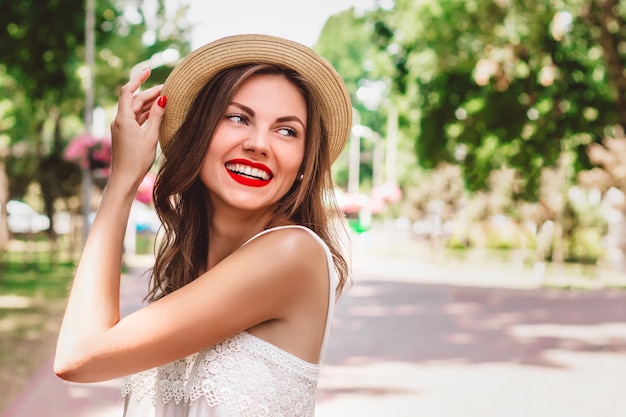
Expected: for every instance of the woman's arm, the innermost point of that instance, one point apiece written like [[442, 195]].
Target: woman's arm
[[251, 286], [93, 304]]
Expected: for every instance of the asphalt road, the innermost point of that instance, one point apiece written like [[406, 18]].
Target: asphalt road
[[405, 348]]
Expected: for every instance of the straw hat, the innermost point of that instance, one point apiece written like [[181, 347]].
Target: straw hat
[[196, 69]]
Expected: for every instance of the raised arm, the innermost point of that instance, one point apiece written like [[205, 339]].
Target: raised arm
[[250, 287], [93, 304]]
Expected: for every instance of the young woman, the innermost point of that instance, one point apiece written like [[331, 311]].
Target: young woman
[[250, 261]]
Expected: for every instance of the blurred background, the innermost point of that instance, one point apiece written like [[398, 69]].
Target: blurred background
[[483, 184]]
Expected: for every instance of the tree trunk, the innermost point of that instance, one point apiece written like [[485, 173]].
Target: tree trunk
[[4, 224], [4, 198]]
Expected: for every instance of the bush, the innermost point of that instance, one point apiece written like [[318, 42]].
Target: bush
[[585, 246]]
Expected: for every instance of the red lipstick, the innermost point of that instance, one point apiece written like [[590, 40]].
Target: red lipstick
[[248, 173]]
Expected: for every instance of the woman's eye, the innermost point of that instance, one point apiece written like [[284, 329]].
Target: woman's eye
[[288, 131], [237, 118]]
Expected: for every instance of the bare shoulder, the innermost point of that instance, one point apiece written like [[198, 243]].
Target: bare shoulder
[[292, 258], [291, 247]]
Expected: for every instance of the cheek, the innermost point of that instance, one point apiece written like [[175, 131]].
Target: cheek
[[294, 168], [209, 167], [298, 156]]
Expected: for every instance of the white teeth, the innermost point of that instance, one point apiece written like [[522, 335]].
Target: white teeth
[[248, 171]]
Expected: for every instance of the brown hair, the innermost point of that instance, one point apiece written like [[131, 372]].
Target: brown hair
[[182, 202]]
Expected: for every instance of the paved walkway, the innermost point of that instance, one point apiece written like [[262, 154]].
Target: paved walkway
[[48, 396], [413, 349], [414, 338]]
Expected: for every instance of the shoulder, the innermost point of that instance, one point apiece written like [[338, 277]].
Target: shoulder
[[281, 266], [291, 243]]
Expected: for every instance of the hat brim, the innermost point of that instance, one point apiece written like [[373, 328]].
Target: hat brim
[[196, 69]]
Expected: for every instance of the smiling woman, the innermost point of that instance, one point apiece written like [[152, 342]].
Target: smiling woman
[[250, 263]]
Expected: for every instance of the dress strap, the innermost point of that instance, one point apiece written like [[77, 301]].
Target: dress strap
[[332, 276]]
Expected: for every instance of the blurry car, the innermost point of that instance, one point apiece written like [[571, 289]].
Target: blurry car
[[22, 218]]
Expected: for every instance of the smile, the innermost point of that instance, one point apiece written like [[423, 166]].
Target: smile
[[245, 173]]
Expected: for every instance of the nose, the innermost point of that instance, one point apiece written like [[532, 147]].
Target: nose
[[257, 142]]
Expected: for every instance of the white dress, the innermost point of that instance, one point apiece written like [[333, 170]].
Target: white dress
[[243, 376]]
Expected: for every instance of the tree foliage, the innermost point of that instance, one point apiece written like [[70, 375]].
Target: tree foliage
[[38, 44], [505, 83], [43, 79], [362, 66]]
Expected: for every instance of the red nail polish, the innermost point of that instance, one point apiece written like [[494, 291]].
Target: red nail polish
[[162, 101]]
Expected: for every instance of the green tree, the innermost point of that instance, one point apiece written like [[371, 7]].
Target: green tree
[[506, 83], [42, 65], [346, 42]]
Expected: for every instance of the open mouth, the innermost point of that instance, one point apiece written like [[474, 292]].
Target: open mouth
[[247, 174]]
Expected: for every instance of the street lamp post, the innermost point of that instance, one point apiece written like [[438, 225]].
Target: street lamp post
[[378, 160], [361, 131], [89, 99], [391, 151], [354, 163]]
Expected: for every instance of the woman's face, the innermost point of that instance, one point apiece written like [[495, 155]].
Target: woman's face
[[258, 146]]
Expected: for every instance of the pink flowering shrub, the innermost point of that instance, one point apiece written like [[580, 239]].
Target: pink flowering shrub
[[95, 154], [144, 192], [89, 152]]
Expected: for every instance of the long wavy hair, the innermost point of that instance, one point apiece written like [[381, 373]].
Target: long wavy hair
[[182, 201]]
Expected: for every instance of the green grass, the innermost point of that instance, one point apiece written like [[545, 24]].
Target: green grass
[[32, 298], [35, 279], [144, 244]]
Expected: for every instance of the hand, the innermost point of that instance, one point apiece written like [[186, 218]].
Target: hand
[[135, 130]]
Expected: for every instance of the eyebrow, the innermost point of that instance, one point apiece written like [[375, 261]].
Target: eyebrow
[[280, 119]]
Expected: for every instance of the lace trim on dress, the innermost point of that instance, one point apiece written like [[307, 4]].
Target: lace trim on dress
[[244, 374]]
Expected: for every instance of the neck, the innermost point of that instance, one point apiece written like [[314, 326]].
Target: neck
[[228, 232]]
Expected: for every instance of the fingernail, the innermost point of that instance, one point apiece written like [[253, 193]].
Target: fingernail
[[162, 101]]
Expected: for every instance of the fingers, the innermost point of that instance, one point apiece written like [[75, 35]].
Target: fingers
[[139, 107], [128, 89], [154, 116], [142, 102], [134, 105], [141, 119]]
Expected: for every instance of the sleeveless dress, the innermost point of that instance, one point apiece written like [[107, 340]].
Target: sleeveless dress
[[242, 376]]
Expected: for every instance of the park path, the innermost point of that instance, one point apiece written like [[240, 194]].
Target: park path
[[406, 348]]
